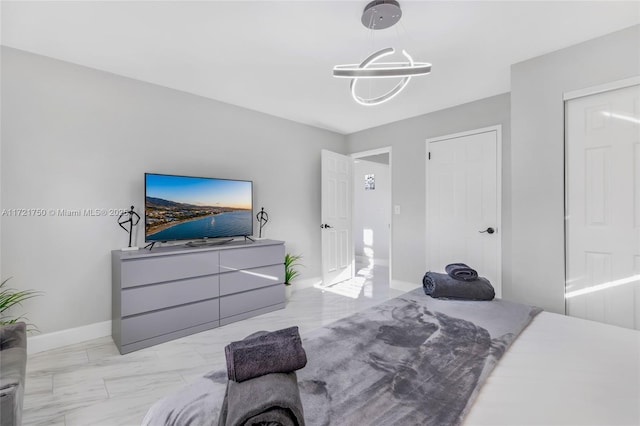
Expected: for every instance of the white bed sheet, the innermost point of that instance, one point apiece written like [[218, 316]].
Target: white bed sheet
[[564, 371]]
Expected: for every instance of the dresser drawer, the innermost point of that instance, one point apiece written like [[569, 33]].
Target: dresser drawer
[[146, 326], [243, 302], [233, 259], [147, 298], [249, 279], [168, 268]]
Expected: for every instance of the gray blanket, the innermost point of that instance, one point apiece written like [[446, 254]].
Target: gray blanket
[[411, 360]]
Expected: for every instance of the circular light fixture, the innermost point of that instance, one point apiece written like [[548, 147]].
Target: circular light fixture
[[377, 15], [370, 69]]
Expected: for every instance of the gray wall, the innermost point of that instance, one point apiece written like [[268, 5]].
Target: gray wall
[[77, 138], [408, 138], [537, 156], [372, 209]]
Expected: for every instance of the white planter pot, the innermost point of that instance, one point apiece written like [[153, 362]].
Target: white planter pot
[[287, 291]]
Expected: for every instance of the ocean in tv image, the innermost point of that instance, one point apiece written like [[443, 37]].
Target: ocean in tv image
[[182, 208]]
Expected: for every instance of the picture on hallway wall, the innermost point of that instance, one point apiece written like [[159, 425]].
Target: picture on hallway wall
[[369, 182]]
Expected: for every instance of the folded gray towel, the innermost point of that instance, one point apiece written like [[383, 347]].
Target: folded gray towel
[[443, 286], [262, 353], [460, 271], [272, 399]]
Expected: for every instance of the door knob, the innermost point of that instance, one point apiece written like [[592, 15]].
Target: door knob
[[488, 230], [324, 225]]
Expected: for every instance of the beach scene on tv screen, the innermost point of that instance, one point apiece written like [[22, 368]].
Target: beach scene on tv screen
[[182, 208]]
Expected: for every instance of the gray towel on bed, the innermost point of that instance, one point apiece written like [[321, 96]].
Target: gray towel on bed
[[272, 399], [443, 286], [264, 352], [460, 271]]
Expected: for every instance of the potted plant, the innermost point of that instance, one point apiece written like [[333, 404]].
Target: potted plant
[[290, 271], [10, 297]]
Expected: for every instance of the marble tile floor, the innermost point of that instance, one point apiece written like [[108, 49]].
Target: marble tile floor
[[92, 384]]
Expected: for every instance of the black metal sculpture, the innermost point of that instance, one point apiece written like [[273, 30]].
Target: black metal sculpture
[[132, 218], [263, 218]]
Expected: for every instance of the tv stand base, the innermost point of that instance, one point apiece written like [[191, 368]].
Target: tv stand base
[[205, 243]]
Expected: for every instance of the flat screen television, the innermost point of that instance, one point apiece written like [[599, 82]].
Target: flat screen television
[[195, 208]]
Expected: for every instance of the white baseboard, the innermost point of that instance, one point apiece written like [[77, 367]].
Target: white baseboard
[[403, 285], [70, 336], [307, 283]]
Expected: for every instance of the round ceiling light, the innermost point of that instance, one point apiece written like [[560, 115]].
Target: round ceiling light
[[377, 15]]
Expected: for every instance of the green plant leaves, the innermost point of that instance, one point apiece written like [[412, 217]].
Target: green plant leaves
[[10, 297], [291, 261]]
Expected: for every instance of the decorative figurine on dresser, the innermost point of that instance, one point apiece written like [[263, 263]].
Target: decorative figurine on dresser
[[132, 218]]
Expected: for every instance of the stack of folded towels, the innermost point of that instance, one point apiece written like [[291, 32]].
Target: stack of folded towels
[[263, 386], [460, 282]]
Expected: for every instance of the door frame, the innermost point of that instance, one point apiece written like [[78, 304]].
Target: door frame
[[498, 129], [594, 90], [384, 150]]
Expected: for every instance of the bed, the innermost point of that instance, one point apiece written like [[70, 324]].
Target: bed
[[417, 360], [564, 371]]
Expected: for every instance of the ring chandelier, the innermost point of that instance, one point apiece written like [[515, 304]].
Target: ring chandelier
[[377, 15]]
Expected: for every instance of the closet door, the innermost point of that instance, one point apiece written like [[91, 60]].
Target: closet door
[[603, 207]]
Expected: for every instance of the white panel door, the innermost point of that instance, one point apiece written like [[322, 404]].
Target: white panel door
[[337, 241], [463, 188], [603, 207]]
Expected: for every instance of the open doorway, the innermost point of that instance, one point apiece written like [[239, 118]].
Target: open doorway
[[372, 211]]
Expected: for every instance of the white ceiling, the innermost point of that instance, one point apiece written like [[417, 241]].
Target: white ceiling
[[277, 56]]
